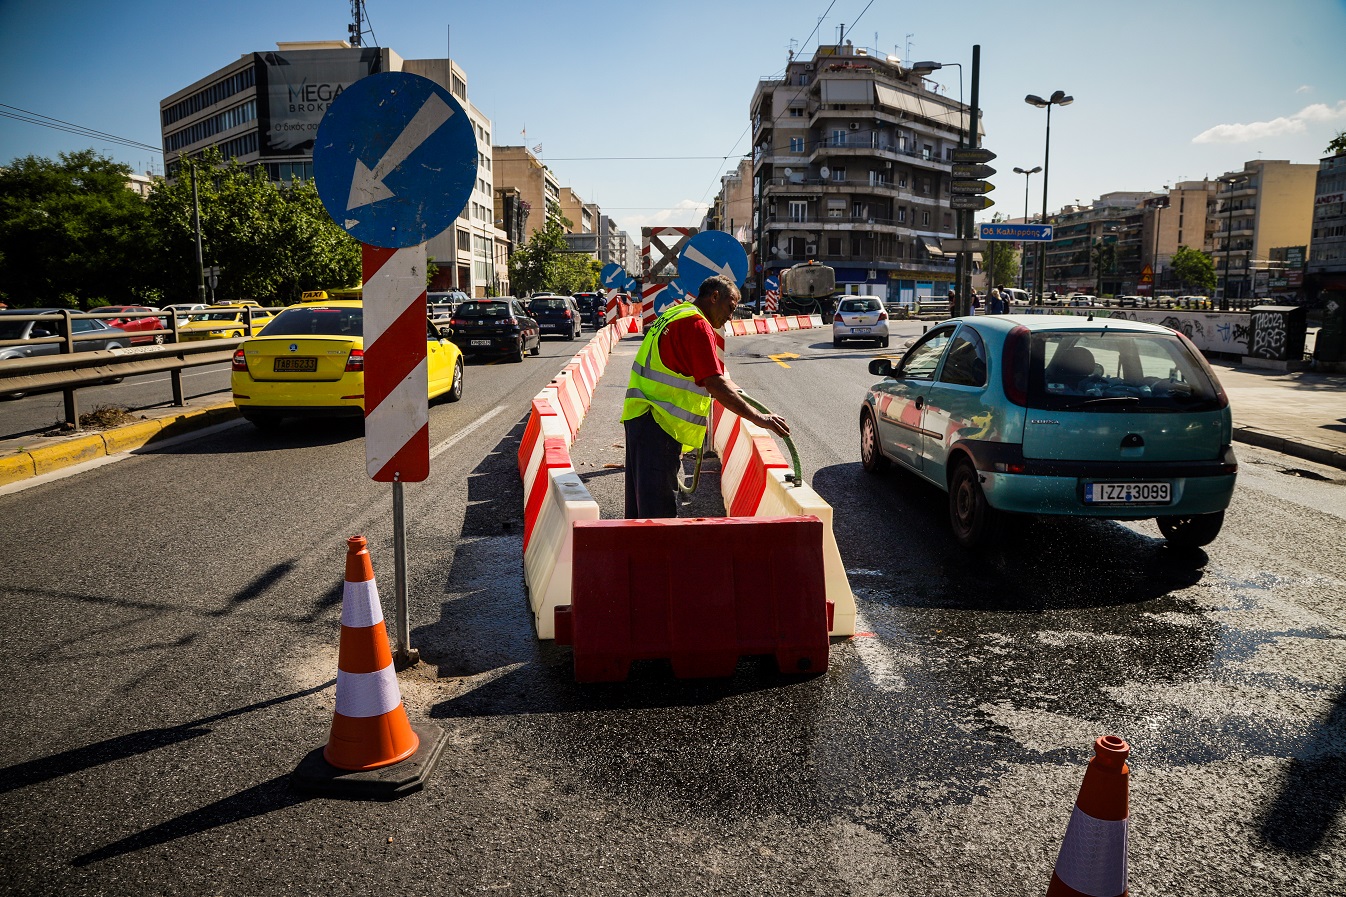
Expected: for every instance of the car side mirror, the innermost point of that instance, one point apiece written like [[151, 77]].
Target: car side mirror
[[881, 367], [39, 333]]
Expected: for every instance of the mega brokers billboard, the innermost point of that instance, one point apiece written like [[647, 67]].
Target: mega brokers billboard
[[295, 87]]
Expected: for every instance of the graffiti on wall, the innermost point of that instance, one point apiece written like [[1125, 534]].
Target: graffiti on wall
[[1270, 338]]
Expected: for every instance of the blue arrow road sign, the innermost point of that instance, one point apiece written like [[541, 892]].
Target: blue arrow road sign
[[708, 253], [395, 159], [612, 276], [771, 283], [673, 292], [1021, 233]]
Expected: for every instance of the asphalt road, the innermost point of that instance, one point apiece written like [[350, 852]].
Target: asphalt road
[[171, 627]]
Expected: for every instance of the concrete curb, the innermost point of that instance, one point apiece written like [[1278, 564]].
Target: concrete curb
[[67, 451], [1310, 451]]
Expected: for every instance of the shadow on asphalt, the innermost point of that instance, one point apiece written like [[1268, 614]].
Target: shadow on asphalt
[[1312, 789]]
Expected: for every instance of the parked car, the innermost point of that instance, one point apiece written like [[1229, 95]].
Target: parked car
[[1081, 300], [224, 322], [181, 310], [1130, 301], [860, 317], [497, 326], [557, 315], [91, 334], [1015, 296], [1059, 415], [309, 361], [137, 320]]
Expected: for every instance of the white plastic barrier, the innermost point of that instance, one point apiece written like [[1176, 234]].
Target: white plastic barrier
[[549, 557]]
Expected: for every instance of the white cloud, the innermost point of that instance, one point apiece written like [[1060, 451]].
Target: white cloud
[[685, 214], [1297, 123], [1304, 88]]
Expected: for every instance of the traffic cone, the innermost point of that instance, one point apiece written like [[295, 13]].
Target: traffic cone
[[1092, 862], [370, 728], [634, 328]]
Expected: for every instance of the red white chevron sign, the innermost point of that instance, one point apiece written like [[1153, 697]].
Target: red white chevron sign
[[397, 388]]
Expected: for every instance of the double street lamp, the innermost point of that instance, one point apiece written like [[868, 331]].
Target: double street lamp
[[1026, 172], [1058, 98], [961, 217]]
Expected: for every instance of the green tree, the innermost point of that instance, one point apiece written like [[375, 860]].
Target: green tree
[[71, 233], [1338, 144], [1103, 257], [1002, 264], [545, 262], [270, 242], [1193, 268]]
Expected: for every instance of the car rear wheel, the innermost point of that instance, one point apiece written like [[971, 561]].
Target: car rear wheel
[[883, 343], [537, 348], [871, 456], [456, 390], [1191, 532], [972, 519], [517, 355], [836, 343]]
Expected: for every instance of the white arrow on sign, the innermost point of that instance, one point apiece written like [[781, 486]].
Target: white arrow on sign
[[699, 257], [367, 186]]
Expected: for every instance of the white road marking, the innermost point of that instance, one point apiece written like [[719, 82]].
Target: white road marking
[[463, 433], [879, 660]]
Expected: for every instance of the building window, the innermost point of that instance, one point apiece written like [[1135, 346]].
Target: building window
[[796, 111], [836, 208], [799, 210], [797, 145], [902, 179], [925, 219], [803, 80], [901, 214], [948, 154], [464, 241], [838, 174], [926, 151], [838, 136]]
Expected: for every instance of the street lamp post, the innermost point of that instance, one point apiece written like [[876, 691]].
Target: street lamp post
[[1228, 240], [1159, 207], [1058, 98], [961, 217], [1026, 172]]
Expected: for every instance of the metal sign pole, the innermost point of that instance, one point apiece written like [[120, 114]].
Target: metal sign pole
[[406, 655]]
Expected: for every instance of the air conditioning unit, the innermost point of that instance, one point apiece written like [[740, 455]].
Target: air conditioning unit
[[808, 66], [810, 248], [855, 126]]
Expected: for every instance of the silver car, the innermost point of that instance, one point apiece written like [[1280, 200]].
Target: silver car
[[860, 317]]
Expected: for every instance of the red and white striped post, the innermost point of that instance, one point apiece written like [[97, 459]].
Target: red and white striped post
[[397, 389]]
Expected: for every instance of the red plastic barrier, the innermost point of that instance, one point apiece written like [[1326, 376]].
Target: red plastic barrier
[[634, 596], [803, 322], [760, 324]]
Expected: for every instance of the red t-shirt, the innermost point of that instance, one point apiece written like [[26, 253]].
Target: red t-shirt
[[688, 347]]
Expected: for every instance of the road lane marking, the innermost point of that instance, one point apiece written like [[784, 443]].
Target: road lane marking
[[880, 661], [777, 358], [463, 433]]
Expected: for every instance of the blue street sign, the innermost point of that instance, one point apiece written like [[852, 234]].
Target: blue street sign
[[395, 159], [1020, 233], [632, 286], [612, 276], [712, 252], [772, 283]]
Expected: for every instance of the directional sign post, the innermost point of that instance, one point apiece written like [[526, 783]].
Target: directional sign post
[[959, 201], [395, 161], [1016, 233], [709, 253]]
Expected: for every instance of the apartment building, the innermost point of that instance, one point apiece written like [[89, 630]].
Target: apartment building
[[851, 164], [264, 109], [1182, 216], [1267, 205], [517, 169], [1325, 269]]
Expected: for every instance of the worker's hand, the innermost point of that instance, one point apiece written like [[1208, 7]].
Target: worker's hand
[[773, 422]]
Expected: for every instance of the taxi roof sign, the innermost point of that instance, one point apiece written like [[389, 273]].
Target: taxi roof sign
[[313, 295]]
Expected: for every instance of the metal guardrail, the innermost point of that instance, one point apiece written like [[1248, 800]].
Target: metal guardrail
[[70, 370]]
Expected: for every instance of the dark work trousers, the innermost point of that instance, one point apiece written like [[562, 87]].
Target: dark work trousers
[[653, 465]]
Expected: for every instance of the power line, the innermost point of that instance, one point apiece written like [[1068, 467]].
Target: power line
[[56, 124]]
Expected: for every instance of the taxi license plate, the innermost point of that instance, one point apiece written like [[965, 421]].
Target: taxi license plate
[[298, 365], [1127, 493], [479, 342]]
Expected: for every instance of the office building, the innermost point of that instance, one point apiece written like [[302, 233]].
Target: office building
[[1267, 205]]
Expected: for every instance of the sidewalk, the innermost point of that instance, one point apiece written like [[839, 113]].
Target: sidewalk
[[1299, 413]]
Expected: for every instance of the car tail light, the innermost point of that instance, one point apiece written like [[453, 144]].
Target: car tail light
[[355, 361], [457, 322], [568, 315], [240, 364], [1014, 369], [1229, 462], [883, 315]]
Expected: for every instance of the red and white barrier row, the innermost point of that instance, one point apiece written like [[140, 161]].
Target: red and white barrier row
[[752, 481], [554, 496], [772, 324]]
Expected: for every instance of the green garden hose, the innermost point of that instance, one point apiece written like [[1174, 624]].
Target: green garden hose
[[796, 478]]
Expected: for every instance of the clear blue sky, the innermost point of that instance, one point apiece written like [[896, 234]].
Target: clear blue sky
[[1162, 90]]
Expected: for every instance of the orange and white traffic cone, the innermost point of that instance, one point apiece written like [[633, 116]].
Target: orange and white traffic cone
[[1092, 862], [370, 728]]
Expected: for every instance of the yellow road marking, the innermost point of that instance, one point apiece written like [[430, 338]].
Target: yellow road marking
[[777, 358]]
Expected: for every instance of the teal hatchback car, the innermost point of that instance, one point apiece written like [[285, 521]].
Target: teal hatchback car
[[1058, 415]]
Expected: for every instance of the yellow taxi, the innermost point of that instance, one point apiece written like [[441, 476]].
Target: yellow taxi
[[309, 362], [224, 322]]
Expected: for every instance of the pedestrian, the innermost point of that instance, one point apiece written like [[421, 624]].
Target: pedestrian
[[995, 302], [676, 373], [953, 302]]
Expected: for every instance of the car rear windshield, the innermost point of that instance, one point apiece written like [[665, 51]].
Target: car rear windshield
[[316, 320], [218, 316], [1114, 370], [548, 305], [483, 310], [859, 305]]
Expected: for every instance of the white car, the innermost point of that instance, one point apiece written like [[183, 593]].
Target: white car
[[1081, 300], [860, 317], [182, 309]]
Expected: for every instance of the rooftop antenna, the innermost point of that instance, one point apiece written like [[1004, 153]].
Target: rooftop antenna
[[909, 37], [360, 26]]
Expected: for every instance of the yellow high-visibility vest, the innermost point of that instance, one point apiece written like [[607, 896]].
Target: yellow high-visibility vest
[[679, 406]]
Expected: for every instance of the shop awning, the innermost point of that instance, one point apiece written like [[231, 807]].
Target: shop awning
[[932, 246]]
